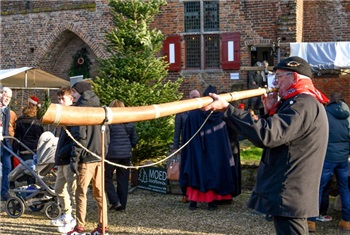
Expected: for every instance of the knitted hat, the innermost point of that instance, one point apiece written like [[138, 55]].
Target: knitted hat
[[82, 86], [34, 100], [241, 106], [295, 64], [210, 89]]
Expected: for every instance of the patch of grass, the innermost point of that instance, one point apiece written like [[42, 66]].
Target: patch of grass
[[249, 152]]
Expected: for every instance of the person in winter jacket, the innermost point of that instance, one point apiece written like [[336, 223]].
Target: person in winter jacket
[[5, 99], [12, 125], [86, 165], [65, 184], [180, 121], [255, 80], [28, 131], [338, 151], [294, 135], [123, 138]]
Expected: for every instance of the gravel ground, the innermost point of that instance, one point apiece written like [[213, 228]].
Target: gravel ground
[[153, 213]]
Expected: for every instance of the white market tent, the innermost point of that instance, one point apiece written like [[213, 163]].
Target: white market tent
[[30, 78], [324, 56]]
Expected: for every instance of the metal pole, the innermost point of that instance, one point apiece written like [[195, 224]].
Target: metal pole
[[278, 50], [104, 212], [25, 79]]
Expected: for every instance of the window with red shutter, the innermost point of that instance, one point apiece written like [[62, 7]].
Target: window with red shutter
[[172, 51], [204, 46], [230, 50]]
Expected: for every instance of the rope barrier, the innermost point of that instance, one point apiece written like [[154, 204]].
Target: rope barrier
[[143, 166]]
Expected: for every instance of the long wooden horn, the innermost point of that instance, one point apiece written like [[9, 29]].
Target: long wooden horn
[[83, 116]]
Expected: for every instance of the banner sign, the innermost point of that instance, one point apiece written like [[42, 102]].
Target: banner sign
[[153, 179]]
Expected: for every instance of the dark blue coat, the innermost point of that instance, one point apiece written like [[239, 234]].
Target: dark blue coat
[[339, 125], [122, 138], [64, 148], [205, 160]]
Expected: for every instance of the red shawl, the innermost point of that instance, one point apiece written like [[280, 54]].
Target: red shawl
[[303, 85]]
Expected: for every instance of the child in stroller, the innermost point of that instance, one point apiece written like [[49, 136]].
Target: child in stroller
[[43, 162], [36, 194]]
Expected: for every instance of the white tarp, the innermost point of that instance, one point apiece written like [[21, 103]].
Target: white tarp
[[323, 55], [28, 77]]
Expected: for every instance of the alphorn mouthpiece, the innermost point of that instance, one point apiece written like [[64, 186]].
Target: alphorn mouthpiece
[[271, 89]]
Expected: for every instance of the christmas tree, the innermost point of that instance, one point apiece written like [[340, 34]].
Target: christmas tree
[[135, 74]]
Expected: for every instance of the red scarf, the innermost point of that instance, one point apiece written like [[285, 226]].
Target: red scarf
[[303, 85]]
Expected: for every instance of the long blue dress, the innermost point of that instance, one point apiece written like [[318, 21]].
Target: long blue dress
[[205, 160]]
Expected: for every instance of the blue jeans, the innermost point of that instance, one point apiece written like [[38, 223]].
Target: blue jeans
[[340, 170], [324, 203], [6, 168]]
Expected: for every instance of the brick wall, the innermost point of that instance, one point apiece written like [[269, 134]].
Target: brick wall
[[326, 21], [328, 85], [45, 35]]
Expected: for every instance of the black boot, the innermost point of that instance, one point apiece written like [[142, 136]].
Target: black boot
[[212, 206], [193, 205]]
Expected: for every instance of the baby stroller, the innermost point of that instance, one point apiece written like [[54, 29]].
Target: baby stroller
[[39, 195]]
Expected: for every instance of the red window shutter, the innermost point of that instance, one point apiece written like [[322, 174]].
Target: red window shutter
[[172, 51], [230, 51]]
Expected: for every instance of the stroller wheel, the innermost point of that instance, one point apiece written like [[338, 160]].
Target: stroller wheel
[[53, 210], [14, 207]]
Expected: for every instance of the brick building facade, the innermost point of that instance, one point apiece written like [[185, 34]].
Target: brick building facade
[[47, 34]]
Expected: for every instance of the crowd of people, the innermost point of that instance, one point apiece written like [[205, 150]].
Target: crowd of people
[[77, 161], [305, 139]]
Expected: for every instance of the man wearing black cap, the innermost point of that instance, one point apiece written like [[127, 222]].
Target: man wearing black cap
[[84, 163], [294, 136]]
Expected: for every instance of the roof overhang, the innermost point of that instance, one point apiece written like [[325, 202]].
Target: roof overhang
[[28, 77]]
